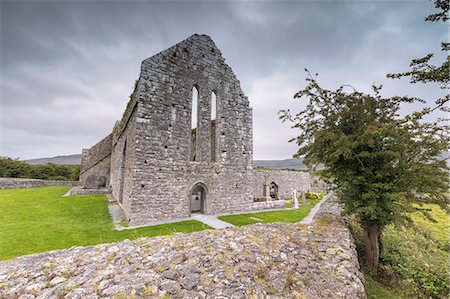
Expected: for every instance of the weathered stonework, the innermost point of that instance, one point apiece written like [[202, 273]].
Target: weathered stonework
[[158, 164], [285, 180], [95, 165]]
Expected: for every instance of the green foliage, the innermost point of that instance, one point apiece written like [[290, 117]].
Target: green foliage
[[378, 161], [41, 219], [414, 258], [437, 221], [314, 196], [414, 254], [14, 168]]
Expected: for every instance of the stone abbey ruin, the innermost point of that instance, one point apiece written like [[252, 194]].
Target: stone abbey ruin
[[184, 143]]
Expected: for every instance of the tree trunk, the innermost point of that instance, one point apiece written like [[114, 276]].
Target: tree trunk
[[371, 237]]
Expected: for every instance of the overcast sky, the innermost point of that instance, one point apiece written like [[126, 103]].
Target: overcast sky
[[68, 67]]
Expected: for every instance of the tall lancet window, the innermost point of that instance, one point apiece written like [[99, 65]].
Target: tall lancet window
[[194, 120], [213, 126]]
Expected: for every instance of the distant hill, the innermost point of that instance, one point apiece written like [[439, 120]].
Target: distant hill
[[296, 164], [69, 159]]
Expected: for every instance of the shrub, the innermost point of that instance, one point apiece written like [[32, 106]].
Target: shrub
[[414, 254], [313, 196]]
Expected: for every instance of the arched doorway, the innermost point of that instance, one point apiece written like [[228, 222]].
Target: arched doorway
[[198, 198], [274, 190]]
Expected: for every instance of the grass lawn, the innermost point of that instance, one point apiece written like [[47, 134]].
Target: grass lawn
[[441, 224], [269, 217], [37, 220]]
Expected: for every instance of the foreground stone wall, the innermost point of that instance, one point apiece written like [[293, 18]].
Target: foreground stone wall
[[300, 261], [14, 183]]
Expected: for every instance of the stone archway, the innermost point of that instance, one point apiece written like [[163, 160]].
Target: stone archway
[[198, 198], [274, 190]]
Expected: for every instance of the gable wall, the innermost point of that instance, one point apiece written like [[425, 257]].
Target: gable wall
[[164, 173]]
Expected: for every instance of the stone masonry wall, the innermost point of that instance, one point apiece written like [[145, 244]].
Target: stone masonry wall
[[286, 180], [164, 174], [15, 183], [123, 160], [148, 158], [95, 164]]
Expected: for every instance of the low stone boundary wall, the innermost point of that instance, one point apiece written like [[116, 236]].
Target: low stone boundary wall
[[80, 191], [264, 205], [14, 183]]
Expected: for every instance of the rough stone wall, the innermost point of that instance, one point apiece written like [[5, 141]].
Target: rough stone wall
[[163, 173], [95, 164], [14, 183], [287, 180], [123, 163]]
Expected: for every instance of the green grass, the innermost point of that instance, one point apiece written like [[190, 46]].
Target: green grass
[[375, 290], [41, 219], [441, 224], [269, 217]]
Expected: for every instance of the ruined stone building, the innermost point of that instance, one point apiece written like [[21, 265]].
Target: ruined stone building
[[184, 142]]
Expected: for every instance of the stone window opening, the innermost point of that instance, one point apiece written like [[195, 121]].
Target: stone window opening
[[194, 122], [213, 126]]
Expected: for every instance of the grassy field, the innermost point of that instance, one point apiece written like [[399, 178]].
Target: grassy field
[[37, 220], [440, 227], [269, 217]]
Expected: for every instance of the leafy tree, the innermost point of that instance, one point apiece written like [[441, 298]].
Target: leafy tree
[[13, 168], [74, 172], [379, 162], [43, 171]]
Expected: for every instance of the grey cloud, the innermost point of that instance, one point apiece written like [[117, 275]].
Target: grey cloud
[[69, 67]]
